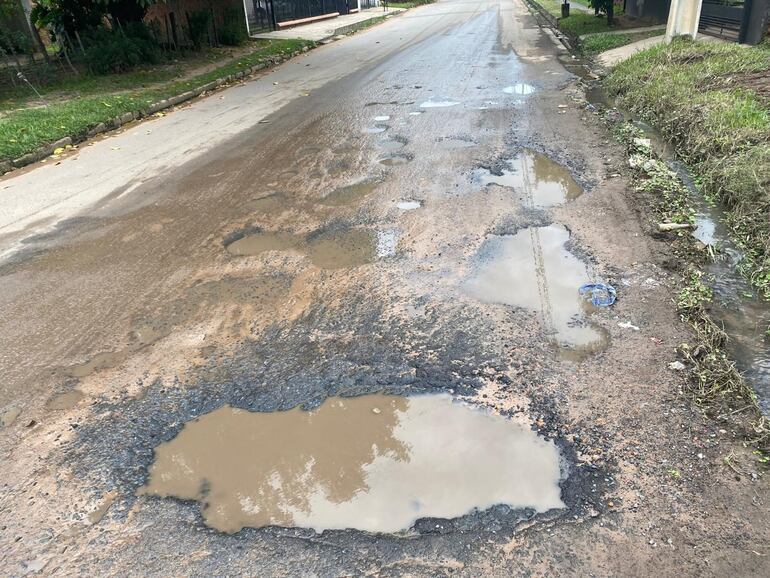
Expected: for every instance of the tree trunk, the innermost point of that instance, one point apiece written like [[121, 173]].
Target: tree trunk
[[611, 13], [26, 6]]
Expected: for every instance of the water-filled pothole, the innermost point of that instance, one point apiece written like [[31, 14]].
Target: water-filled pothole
[[268, 203], [438, 103], [350, 193], [338, 250], [395, 160], [519, 89], [332, 249], [534, 270], [409, 205], [261, 242], [540, 181], [376, 463], [376, 129]]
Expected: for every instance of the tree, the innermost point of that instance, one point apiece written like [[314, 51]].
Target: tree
[[73, 16], [608, 6]]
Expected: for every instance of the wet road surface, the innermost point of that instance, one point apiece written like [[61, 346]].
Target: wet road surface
[[414, 217]]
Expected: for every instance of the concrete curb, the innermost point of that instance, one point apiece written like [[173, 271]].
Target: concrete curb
[[45, 151], [351, 28], [551, 21]]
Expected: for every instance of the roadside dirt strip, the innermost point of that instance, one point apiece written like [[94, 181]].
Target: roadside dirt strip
[[348, 340]]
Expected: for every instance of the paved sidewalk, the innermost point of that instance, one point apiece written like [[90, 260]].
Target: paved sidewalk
[[661, 27], [325, 29], [581, 7], [617, 55]]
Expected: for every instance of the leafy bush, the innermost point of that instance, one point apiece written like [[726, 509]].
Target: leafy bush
[[198, 23], [233, 31], [14, 41], [110, 51]]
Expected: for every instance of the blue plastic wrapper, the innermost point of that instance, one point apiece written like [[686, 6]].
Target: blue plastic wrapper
[[600, 294]]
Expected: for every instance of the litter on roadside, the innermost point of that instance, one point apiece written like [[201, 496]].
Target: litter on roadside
[[627, 325], [600, 294]]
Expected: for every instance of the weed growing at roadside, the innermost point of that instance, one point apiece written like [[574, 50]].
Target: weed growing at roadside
[[713, 375]]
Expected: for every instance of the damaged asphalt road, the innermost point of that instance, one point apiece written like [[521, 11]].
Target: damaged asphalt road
[[363, 241]]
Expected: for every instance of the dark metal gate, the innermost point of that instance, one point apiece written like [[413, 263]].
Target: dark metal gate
[[724, 18], [259, 15]]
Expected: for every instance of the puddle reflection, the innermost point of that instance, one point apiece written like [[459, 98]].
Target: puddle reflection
[[377, 463]]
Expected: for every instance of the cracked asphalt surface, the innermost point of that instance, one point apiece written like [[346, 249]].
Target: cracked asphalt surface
[[131, 297]]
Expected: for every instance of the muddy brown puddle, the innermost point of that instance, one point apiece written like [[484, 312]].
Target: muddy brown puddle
[[269, 203], [261, 242], [376, 463], [540, 181], [395, 160], [327, 250], [533, 270], [350, 193]]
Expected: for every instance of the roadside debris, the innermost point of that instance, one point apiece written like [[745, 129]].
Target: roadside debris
[[600, 294], [676, 226], [627, 325], [677, 366]]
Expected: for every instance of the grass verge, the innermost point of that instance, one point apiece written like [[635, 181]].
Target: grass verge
[[23, 131], [712, 101], [411, 4], [596, 43], [61, 86]]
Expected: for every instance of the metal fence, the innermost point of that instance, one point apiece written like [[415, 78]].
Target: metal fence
[[288, 10], [259, 15], [723, 18]]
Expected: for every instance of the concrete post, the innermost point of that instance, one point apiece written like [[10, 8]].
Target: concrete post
[[683, 18]]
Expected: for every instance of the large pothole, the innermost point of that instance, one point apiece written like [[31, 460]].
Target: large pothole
[[540, 181], [330, 249], [376, 463], [534, 270]]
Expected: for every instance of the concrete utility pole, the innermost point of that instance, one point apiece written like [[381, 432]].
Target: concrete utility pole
[[683, 18]]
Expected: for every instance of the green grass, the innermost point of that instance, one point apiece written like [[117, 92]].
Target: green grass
[[408, 5], [597, 43], [24, 130], [579, 23], [694, 93], [68, 85], [551, 6]]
